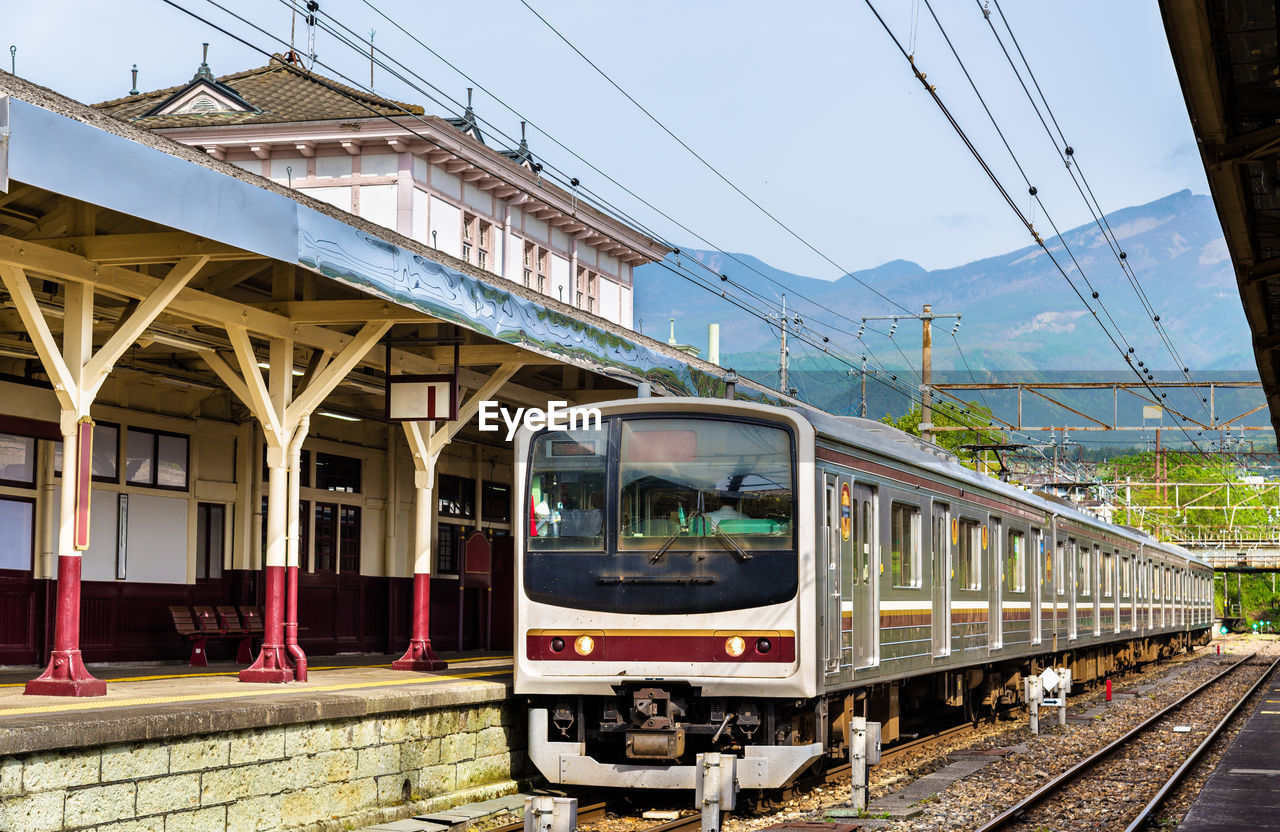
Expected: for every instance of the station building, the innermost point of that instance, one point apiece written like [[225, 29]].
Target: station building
[[213, 347]]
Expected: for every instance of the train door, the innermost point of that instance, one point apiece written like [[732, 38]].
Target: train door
[[1073, 588], [1036, 584], [866, 594], [1061, 581], [831, 526], [1098, 581], [995, 586], [940, 556]]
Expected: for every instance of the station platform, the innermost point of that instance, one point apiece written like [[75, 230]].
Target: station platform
[[358, 744], [1244, 791], [151, 702]]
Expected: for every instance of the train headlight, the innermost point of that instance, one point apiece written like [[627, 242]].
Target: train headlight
[[583, 645], [735, 646]]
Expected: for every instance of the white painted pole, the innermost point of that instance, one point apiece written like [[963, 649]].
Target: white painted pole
[[711, 792], [858, 762], [713, 343]]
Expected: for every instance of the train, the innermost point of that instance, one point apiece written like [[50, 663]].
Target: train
[[698, 575]]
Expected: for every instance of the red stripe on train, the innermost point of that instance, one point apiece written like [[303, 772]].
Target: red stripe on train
[[661, 648]]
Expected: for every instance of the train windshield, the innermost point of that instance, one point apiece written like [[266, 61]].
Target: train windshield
[[704, 485], [662, 515]]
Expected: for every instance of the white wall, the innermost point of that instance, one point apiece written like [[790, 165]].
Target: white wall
[[379, 164], [327, 166], [378, 203], [515, 260], [339, 196], [446, 222], [560, 280], [610, 303], [157, 539], [420, 230], [626, 318]]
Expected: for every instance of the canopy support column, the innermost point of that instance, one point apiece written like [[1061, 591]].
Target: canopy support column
[[77, 374], [426, 442]]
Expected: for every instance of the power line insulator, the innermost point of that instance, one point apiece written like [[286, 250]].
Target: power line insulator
[[1139, 363], [1070, 150], [1032, 190], [1156, 319], [1095, 295], [724, 277], [574, 181], [1124, 256], [1130, 349], [1186, 369]]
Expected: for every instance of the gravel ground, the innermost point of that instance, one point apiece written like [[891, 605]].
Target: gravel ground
[[977, 798]]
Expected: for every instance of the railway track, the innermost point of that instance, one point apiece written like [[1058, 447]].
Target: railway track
[[1055, 788]]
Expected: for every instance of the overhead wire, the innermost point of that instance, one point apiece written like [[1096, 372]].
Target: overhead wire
[[999, 185]]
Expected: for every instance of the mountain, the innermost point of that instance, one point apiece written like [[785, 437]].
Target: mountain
[[1019, 314]]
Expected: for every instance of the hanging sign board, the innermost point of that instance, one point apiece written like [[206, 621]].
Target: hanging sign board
[[84, 481], [845, 512], [422, 398]]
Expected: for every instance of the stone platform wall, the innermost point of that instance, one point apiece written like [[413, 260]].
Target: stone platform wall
[[322, 775]]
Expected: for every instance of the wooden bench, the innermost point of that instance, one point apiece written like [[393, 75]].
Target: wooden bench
[[235, 624], [188, 627]]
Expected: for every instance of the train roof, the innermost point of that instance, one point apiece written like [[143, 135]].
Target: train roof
[[888, 441]]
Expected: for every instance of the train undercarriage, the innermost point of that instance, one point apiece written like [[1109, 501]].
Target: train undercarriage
[[648, 735]]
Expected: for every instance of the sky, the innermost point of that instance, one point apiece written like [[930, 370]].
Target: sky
[[807, 108]]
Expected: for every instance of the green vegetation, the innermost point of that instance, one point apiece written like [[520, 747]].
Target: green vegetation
[[1254, 597], [948, 415]]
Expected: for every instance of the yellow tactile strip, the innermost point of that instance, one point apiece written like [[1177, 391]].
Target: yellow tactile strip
[[274, 690], [163, 676]]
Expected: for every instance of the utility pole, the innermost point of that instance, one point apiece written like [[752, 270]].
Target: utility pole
[[862, 408], [782, 356], [927, 317]]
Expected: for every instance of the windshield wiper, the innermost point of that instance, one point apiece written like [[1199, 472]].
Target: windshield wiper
[[684, 527], [723, 536]]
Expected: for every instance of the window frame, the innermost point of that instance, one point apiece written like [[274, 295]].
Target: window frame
[[1018, 577], [155, 459], [972, 563], [910, 565], [55, 447]]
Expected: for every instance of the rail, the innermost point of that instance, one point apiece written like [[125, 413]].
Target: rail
[[1014, 813]]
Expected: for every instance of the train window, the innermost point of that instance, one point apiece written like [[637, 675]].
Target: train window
[[1107, 575], [566, 491], [969, 555], [1126, 576], [905, 545], [1060, 566], [1016, 562], [1084, 572], [704, 485]]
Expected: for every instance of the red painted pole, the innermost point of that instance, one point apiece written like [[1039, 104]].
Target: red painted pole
[[1108, 690], [272, 664], [66, 674], [420, 656]]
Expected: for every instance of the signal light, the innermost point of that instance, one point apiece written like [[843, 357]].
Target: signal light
[[584, 645], [735, 646], [763, 645], [557, 644]]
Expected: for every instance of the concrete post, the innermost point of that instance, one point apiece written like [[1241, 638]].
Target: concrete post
[[710, 773], [1034, 693], [858, 762], [1064, 687]]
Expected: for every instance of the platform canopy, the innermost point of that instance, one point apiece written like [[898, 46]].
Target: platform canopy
[[1227, 55]]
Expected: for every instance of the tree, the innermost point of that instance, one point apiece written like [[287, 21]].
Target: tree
[[948, 415]]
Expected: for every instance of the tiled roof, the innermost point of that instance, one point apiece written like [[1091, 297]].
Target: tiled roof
[[281, 92]]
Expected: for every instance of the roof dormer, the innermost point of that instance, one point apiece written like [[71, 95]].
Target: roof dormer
[[204, 94]]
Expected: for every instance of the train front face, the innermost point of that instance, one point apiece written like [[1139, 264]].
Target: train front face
[[665, 565]]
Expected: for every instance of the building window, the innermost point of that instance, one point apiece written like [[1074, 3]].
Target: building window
[[106, 454], [969, 555], [338, 473], [448, 546], [496, 503], [349, 539], [155, 459], [540, 258], [211, 528], [17, 460], [18, 519], [326, 536], [1016, 562], [457, 496], [905, 545]]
